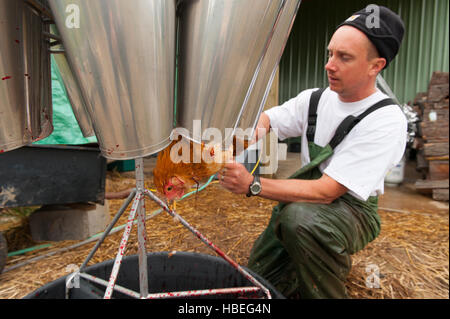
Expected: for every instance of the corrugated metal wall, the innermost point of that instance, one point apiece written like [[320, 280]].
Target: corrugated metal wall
[[425, 47]]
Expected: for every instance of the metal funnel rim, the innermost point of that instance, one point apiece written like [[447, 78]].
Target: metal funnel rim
[[13, 145], [132, 154]]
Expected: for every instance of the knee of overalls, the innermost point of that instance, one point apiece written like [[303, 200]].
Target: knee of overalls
[[295, 219]]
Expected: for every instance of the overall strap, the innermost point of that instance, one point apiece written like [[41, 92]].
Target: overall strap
[[312, 114], [350, 121]]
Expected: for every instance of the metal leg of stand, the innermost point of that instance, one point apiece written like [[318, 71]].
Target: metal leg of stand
[[139, 209], [142, 234], [209, 244], [122, 247], [106, 232]]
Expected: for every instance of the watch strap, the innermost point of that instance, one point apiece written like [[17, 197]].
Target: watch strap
[[256, 179], [249, 193]]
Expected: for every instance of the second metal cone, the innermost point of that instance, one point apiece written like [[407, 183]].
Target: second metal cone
[[122, 54]]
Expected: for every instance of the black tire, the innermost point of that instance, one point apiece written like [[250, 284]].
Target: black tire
[[3, 252]]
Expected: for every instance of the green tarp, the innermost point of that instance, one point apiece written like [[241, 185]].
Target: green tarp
[[66, 129]]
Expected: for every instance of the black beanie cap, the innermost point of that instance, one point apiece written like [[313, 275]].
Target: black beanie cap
[[385, 32]]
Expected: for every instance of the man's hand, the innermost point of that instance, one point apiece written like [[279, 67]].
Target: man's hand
[[235, 177], [262, 128]]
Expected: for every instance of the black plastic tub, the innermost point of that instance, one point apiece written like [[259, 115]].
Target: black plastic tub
[[181, 271]]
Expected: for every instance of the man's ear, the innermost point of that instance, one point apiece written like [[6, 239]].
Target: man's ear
[[377, 65]]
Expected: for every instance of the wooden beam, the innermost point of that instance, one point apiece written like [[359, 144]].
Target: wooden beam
[[438, 170], [440, 194], [430, 184], [436, 149]]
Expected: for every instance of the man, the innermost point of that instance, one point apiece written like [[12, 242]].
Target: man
[[352, 134]]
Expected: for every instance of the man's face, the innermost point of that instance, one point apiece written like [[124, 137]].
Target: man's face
[[348, 68]]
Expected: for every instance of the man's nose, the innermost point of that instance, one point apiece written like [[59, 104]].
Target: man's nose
[[330, 66]]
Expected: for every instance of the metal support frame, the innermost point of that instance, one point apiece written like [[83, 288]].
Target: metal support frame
[[138, 211]]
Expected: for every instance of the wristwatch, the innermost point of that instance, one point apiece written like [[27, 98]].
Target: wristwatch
[[255, 187]]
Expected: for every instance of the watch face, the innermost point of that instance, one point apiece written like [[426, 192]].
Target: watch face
[[255, 189]]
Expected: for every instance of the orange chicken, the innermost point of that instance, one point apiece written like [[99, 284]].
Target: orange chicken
[[184, 164]]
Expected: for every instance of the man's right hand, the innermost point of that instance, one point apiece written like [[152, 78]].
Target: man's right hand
[[262, 128]]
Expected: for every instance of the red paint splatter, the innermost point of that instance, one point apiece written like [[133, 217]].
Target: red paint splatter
[[17, 41], [6, 77], [2, 151]]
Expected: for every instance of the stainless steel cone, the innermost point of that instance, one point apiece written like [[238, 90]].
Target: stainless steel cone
[[122, 54], [222, 45], [25, 92], [268, 69], [25, 87], [37, 75], [13, 116], [74, 93]]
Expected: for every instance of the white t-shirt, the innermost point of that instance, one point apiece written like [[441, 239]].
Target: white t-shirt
[[361, 161]]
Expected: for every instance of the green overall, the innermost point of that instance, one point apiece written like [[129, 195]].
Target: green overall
[[305, 250]]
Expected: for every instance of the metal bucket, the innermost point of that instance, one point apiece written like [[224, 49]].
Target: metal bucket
[[122, 54], [74, 93], [222, 46], [181, 271]]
